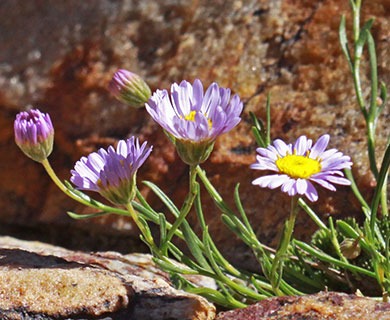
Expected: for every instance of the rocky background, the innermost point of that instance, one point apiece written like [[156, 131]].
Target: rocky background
[[58, 56]]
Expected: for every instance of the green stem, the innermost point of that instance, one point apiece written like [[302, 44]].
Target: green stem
[[188, 202], [358, 88], [335, 242], [384, 170], [385, 208], [60, 184], [356, 191], [370, 114], [357, 55], [356, 18], [213, 192], [78, 195], [144, 231], [312, 214], [382, 177], [278, 262], [371, 147]]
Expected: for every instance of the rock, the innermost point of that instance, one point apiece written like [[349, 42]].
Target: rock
[[59, 57], [59, 291], [41, 281], [323, 305]]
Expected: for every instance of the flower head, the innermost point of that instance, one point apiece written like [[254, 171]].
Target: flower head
[[299, 165], [34, 134], [112, 172], [192, 118], [129, 88]]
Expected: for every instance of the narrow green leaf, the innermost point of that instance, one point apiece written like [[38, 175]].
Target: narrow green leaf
[[86, 216], [164, 198], [356, 191], [383, 96], [216, 252], [364, 32], [312, 214], [383, 173], [147, 231], [195, 250], [344, 41], [259, 139], [163, 227], [227, 220], [216, 297], [169, 266], [373, 112], [327, 258], [261, 286], [257, 123], [198, 208], [243, 290], [181, 257], [143, 201], [240, 208]]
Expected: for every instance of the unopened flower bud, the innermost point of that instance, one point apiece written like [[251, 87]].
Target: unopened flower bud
[[350, 248], [34, 134], [129, 88], [379, 101]]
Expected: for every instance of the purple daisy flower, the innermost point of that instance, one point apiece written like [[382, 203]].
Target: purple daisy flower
[[194, 118], [299, 165], [112, 172], [191, 114], [34, 134]]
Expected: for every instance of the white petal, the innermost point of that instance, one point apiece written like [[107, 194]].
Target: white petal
[[270, 181], [301, 186], [281, 147], [288, 186], [301, 145]]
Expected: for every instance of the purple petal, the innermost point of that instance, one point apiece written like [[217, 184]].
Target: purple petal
[[211, 100], [311, 192], [338, 180], [320, 146], [198, 94], [323, 183], [225, 97]]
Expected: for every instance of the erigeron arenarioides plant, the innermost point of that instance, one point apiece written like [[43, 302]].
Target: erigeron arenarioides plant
[[193, 118]]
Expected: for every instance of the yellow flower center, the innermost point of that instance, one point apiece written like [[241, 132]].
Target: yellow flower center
[[191, 117], [296, 166]]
